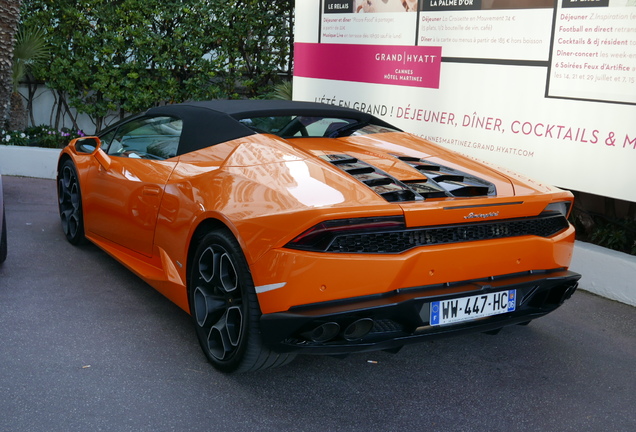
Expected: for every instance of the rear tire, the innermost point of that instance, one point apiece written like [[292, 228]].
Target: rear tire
[[225, 308]]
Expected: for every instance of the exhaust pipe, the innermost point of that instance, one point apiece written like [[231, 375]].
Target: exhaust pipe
[[358, 329], [323, 332], [570, 291]]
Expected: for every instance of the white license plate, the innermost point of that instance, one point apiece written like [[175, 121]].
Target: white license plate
[[473, 307]]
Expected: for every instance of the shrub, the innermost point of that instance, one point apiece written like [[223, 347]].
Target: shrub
[[40, 136], [616, 234], [126, 56]]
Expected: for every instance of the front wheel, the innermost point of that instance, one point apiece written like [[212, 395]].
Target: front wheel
[[225, 309], [70, 203]]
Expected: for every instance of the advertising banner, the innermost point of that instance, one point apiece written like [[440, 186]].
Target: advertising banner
[[546, 88]]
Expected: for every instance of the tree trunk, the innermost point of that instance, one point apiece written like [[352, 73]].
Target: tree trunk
[[18, 114], [9, 18], [32, 89]]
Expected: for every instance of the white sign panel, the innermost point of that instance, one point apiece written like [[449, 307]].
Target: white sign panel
[[545, 88]]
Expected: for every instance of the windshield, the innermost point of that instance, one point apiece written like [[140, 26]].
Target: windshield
[[308, 126]]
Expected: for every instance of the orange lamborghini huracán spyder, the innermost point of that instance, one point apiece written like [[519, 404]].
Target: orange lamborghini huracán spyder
[[294, 227]]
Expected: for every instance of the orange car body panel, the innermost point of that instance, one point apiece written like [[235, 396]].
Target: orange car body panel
[[267, 191]]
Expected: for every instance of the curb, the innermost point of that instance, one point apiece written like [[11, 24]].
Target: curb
[[606, 272], [29, 161]]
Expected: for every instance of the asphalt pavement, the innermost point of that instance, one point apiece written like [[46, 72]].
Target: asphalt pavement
[[87, 346]]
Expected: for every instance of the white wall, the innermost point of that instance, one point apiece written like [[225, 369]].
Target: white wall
[[44, 111]]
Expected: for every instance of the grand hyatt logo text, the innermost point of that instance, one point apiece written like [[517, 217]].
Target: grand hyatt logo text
[[406, 58]]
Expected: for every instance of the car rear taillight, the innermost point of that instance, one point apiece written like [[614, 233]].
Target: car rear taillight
[[320, 236], [562, 207]]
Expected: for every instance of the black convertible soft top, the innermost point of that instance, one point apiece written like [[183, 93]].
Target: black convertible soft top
[[212, 122]]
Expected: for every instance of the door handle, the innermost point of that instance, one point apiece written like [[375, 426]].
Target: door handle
[[151, 190]]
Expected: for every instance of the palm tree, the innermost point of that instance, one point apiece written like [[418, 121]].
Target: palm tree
[[283, 91], [9, 18], [30, 48]]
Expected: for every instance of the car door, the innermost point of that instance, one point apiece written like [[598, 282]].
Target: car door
[[123, 196]]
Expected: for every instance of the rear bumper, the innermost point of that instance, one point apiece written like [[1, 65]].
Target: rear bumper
[[403, 317]]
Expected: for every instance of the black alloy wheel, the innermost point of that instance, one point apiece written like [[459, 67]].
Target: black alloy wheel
[[70, 203], [225, 308]]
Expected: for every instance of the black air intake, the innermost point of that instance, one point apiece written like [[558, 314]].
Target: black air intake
[[387, 235]]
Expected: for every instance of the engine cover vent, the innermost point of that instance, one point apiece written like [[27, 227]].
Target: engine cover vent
[[388, 187], [440, 181], [457, 183]]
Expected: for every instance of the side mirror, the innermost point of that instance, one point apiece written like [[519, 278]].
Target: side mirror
[[87, 144], [91, 145]]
